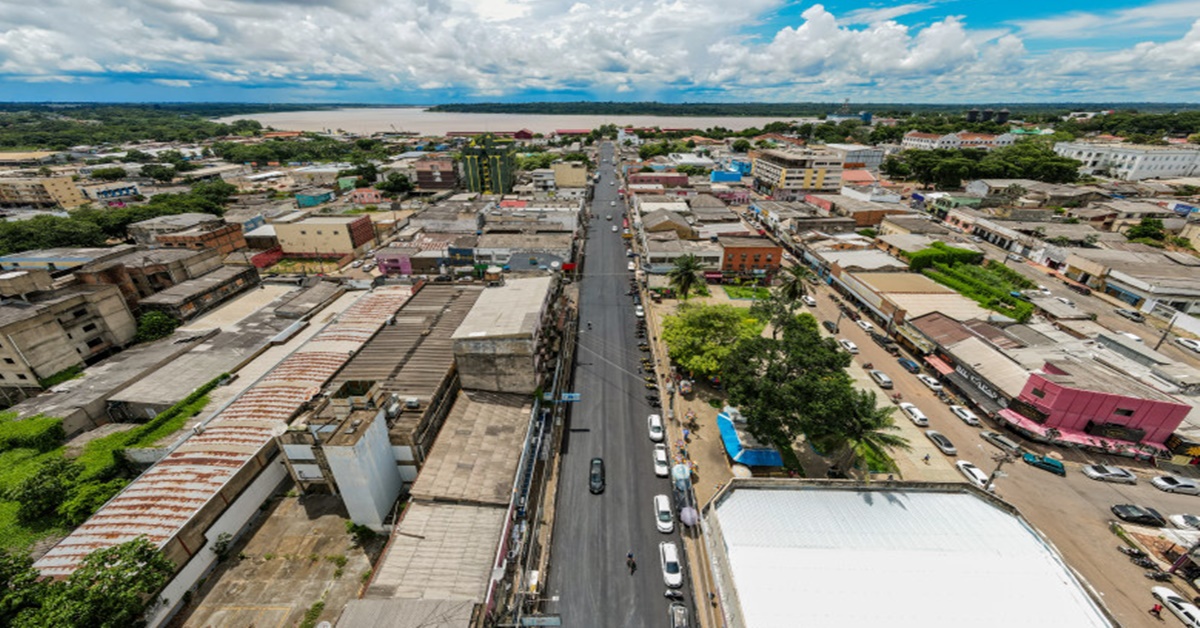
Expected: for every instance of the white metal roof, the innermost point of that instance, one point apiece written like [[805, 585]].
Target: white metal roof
[[819, 556]]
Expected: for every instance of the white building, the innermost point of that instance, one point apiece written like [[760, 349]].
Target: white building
[[1133, 162], [852, 154], [542, 179], [963, 139]]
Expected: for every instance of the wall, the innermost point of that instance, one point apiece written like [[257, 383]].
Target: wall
[[366, 475], [496, 364], [1072, 409]]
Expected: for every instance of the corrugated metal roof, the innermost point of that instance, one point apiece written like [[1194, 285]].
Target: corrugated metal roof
[[163, 499]]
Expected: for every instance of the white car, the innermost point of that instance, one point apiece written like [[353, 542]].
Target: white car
[[1185, 521], [612, 203], [1131, 336], [612, 182], [974, 474], [662, 467], [941, 442], [356, 263], [1106, 473], [672, 570], [1044, 290], [847, 345], [663, 519], [655, 426], [811, 302], [631, 266], [931, 382], [1180, 607], [1188, 343], [614, 228], [639, 312], [914, 414], [966, 415], [865, 324], [1172, 484], [1065, 301]]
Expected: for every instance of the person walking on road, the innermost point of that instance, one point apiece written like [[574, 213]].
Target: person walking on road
[[631, 563], [1156, 610]]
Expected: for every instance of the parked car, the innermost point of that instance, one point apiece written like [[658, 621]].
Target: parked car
[[974, 474], [1065, 301], [914, 414], [829, 327], [1132, 315], [1185, 521], [930, 382], [1172, 484], [614, 228], [1016, 258], [941, 442], [356, 263], [596, 476], [1106, 473], [881, 378], [865, 325], [1044, 290], [662, 466], [1141, 515], [612, 203], [1081, 289], [966, 415], [1188, 343], [608, 217], [1003, 442], [639, 312], [672, 570], [1181, 608], [809, 301], [663, 519], [909, 365], [847, 345], [677, 614], [1047, 464], [654, 425]]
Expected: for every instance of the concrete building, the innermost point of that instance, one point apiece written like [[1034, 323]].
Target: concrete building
[[570, 174], [662, 250], [41, 192], [499, 346], [857, 156], [325, 236], [312, 197], [111, 192], [1118, 215], [910, 224], [146, 232], [59, 260], [664, 220], [542, 180], [525, 251], [963, 139], [141, 273], [665, 179], [750, 256], [1133, 162], [366, 196], [864, 213], [436, 174], [1030, 193], [489, 165], [894, 297], [1148, 279], [791, 175], [224, 239], [451, 218], [189, 299]]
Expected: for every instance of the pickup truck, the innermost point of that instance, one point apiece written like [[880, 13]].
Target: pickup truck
[[1048, 464]]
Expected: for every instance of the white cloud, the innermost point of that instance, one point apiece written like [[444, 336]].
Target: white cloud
[[172, 82], [1120, 23], [883, 14]]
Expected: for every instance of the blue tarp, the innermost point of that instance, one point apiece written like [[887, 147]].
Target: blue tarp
[[755, 456]]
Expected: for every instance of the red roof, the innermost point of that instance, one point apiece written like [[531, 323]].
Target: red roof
[[572, 131]]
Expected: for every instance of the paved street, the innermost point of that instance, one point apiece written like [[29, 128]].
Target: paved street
[[589, 584]]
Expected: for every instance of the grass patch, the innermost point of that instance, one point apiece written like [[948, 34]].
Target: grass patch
[[747, 292], [289, 265], [312, 615], [65, 375], [878, 463], [990, 286]]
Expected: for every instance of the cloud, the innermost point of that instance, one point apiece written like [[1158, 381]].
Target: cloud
[[883, 14], [1134, 21], [172, 82]]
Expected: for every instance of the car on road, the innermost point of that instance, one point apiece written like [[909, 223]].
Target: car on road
[[613, 182], [662, 465], [1016, 258], [1065, 301], [1185, 521], [930, 382], [1132, 315], [1045, 463], [865, 324], [974, 474], [829, 327], [663, 519], [369, 266], [1188, 343], [1184, 610], [356, 263], [1105, 473], [672, 570], [966, 415], [1081, 289], [677, 614], [1003, 442], [914, 414], [847, 345], [596, 476], [809, 301], [614, 228], [1141, 515], [1131, 336], [1172, 484], [881, 378], [612, 203], [909, 365], [941, 442], [639, 312], [608, 217], [1044, 290], [654, 425]]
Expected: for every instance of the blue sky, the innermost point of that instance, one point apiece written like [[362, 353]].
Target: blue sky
[[429, 51]]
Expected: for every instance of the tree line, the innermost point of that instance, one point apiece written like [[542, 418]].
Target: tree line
[[60, 128], [948, 168]]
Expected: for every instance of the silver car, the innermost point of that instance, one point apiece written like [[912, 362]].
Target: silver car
[[941, 442], [1105, 473], [1172, 484], [966, 415]]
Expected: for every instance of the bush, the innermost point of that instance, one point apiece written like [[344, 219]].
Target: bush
[[41, 433], [40, 494], [940, 252], [155, 325], [64, 375]]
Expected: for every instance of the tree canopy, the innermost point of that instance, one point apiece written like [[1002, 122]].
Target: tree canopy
[[700, 337], [948, 168]]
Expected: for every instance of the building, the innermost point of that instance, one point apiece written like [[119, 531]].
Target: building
[[910, 224], [46, 331], [664, 220], [662, 251], [59, 260], [1148, 279], [225, 239], [366, 196], [312, 197], [41, 192], [857, 156], [436, 174], [489, 165], [791, 175], [915, 140], [141, 273], [146, 232], [111, 192], [219, 171], [499, 346], [743, 256], [29, 158], [1133, 162], [894, 297], [1029, 193], [665, 179], [570, 174], [542, 180], [525, 251], [326, 236], [189, 299], [864, 213]]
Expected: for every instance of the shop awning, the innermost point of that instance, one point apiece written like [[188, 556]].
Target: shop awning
[[984, 402], [939, 365], [741, 447]]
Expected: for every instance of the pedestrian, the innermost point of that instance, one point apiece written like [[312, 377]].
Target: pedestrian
[[926, 458], [686, 433], [1156, 610]]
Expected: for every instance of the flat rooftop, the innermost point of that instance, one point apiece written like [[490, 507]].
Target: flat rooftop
[[937, 553], [511, 310], [1090, 375], [902, 282]]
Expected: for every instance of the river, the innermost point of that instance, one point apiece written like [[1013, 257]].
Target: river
[[425, 122]]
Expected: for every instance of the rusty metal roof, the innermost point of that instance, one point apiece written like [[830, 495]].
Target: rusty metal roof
[[160, 502]]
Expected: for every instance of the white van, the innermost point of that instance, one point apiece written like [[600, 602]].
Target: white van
[[632, 266]]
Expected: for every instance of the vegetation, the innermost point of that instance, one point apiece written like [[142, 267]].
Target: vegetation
[[862, 433], [747, 292], [154, 325], [310, 147], [1148, 228], [685, 276], [312, 615], [948, 168], [700, 337], [941, 253], [989, 286], [535, 161]]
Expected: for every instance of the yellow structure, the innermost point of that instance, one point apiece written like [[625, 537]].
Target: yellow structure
[[570, 174], [41, 192]]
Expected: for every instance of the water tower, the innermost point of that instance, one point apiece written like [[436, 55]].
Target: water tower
[[1002, 116], [972, 115]]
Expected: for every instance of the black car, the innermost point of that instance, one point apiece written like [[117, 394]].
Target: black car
[[1131, 315], [596, 476], [1140, 515], [829, 326]]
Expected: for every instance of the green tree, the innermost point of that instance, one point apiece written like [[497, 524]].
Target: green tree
[[39, 495], [108, 174], [154, 325], [792, 284], [1149, 228], [395, 184], [700, 337], [862, 432], [158, 172], [741, 145], [19, 586], [685, 275]]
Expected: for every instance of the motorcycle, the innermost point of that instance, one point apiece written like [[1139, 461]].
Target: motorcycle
[[1144, 563], [651, 385], [868, 365], [673, 594], [1158, 576], [654, 403], [1129, 551]]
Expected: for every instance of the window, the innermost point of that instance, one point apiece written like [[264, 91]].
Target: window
[[95, 342], [1039, 393], [21, 376], [80, 312], [9, 361], [1123, 412], [89, 327]]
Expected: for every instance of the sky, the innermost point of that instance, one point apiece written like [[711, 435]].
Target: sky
[[439, 51]]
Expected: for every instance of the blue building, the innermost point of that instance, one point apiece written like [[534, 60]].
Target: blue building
[[313, 197], [725, 176]]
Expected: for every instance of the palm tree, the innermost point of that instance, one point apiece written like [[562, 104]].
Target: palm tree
[[792, 287], [685, 275], [864, 432]]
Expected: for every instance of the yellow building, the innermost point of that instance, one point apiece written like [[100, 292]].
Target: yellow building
[[570, 174], [790, 175], [41, 192]]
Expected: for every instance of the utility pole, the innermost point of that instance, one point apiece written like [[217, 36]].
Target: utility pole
[[1166, 331], [1001, 460]]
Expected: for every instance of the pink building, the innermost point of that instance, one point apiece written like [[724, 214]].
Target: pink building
[[665, 179], [366, 196], [1092, 405]]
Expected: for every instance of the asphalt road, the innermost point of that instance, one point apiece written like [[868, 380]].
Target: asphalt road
[[589, 583]]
